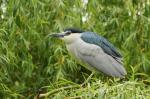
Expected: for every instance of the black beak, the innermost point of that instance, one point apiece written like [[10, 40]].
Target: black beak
[[57, 35]]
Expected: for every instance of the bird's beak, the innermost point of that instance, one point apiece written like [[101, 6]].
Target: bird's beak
[[57, 35]]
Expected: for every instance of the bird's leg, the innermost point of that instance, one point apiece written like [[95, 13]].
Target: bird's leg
[[86, 81]]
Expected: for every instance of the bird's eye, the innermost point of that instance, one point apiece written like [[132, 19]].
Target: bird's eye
[[68, 32]]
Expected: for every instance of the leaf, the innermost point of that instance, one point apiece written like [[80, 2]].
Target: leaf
[[18, 21]]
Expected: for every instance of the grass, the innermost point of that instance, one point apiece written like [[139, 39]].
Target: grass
[[99, 89], [31, 63]]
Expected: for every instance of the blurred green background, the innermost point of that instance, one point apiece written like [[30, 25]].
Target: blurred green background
[[31, 62]]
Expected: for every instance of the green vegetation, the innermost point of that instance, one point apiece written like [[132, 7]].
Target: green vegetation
[[32, 63]]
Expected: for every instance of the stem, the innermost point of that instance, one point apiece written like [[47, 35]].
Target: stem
[[57, 90], [86, 81]]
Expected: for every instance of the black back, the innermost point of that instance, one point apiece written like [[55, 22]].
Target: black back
[[107, 47]]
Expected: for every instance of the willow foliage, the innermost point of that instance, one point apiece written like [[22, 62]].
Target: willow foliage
[[29, 60]]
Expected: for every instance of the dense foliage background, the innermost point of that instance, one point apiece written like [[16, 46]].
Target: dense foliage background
[[32, 63]]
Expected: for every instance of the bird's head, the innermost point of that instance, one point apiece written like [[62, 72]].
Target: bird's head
[[68, 35]]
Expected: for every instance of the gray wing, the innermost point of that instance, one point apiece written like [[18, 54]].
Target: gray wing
[[94, 56], [107, 47]]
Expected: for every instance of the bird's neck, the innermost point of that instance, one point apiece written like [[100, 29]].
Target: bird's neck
[[72, 38]]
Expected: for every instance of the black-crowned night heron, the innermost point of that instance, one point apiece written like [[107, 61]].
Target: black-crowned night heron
[[92, 51]]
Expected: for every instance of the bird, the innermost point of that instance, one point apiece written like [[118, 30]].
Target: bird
[[93, 51]]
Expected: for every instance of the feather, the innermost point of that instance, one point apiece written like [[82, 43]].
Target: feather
[[95, 53], [95, 57], [107, 47]]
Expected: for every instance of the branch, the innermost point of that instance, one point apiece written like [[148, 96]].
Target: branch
[[55, 91]]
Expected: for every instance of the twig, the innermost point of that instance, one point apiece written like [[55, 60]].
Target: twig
[[57, 90], [86, 81]]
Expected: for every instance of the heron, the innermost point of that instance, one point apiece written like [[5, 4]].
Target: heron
[[93, 51]]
